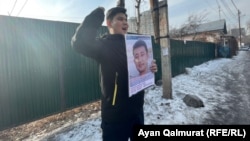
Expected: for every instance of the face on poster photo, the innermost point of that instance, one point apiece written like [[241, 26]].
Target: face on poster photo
[[140, 56]]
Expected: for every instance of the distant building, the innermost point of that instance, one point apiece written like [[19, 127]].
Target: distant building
[[207, 32], [146, 25], [236, 32], [246, 40]]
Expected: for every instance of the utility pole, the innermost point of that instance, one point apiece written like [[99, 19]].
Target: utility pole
[[219, 13], [163, 37], [238, 19], [219, 9], [239, 25]]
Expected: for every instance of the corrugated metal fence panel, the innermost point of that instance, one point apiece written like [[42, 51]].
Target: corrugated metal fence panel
[[177, 59], [26, 73], [189, 54], [40, 74], [157, 57]]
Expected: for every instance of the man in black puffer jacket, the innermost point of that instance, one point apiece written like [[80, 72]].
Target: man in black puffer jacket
[[119, 111]]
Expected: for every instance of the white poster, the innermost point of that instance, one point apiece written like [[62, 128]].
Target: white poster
[[139, 57]]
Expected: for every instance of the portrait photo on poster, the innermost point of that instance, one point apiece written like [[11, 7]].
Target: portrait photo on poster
[[139, 57]]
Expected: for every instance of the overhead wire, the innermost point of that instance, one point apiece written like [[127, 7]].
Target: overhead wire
[[229, 19], [22, 7], [234, 5], [228, 8], [219, 8], [13, 7], [210, 5]]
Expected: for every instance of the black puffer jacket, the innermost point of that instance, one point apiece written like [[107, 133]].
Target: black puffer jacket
[[110, 52]]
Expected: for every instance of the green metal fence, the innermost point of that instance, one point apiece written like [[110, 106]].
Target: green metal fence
[[40, 74], [185, 55], [189, 54]]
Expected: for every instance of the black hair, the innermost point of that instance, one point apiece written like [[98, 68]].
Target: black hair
[[113, 11], [140, 43]]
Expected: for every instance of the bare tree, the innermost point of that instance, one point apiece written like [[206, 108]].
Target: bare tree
[[173, 32], [120, 3], [138, 5], [190, 26], [154, 4], [138, 15], [178, 33], [194, 21]]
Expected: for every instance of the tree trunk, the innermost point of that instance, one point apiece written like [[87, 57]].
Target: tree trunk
[[120, 3], [154, 4], [138, 21]]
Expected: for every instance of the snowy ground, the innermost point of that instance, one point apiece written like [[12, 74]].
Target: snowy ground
[[205, 81]]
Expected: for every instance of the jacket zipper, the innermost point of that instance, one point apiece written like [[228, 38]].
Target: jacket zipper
[[115, 89]]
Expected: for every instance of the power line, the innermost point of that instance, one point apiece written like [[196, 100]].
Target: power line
[[219, 9], [234, 5], [238, 19], [22, 7], [227, 17], [228, 8], [13, 8], [209, 4]]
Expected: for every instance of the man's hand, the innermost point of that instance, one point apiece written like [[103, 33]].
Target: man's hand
[[153, 67]]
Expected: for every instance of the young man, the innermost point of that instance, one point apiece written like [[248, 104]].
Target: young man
[[141, 56], [119, 112]]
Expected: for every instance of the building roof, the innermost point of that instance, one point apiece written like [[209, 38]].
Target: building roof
[[219, 25], [213, 26]]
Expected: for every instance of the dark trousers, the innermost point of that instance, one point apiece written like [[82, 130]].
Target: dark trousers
[[121, 131]]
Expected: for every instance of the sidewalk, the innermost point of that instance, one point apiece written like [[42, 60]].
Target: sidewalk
[[222, 84], [236, 108]]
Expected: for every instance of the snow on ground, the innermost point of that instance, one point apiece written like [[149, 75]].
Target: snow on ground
[[205, 81]]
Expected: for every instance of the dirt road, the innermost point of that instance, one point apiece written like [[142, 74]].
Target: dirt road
[[236, 108]]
